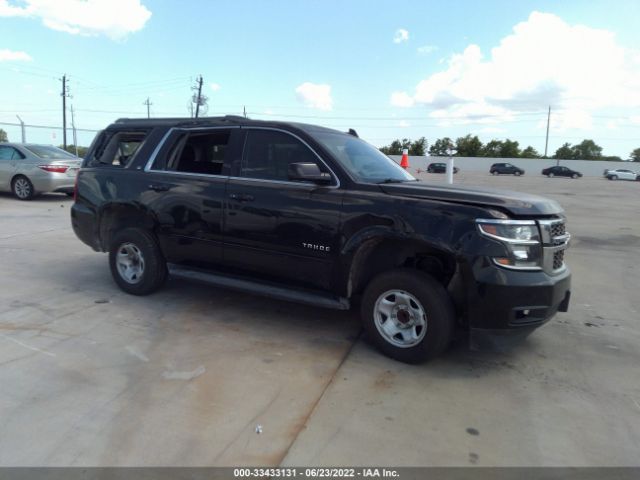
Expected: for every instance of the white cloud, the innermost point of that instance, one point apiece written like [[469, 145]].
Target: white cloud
[[113, 18], [401, 35], [10, 55], [402, 99], [427, 49], [404, 124], [315, 95], [215, 86], [545, 61]]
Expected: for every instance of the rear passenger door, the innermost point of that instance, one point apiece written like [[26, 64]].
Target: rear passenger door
[[9, 158], [283, 229], [186, 189]]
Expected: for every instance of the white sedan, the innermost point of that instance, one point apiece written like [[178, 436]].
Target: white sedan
[[621, 174]]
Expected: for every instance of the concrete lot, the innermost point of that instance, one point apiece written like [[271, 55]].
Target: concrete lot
[[92, 376]]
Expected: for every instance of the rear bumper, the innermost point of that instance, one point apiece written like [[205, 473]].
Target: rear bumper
[[53, 182], [513, 303], [83, 221]]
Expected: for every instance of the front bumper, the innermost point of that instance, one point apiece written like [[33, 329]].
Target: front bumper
[[506, 303]]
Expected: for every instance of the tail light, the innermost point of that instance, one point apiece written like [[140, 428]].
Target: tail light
[[54, 168]]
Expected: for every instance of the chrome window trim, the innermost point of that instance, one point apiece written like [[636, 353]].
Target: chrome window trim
[[333, 174]]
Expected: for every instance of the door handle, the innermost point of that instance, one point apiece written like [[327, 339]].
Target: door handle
[[241, 197], [158, 187]]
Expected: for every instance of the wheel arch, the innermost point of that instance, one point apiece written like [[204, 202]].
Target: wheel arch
[[380, 253], [116, 216]]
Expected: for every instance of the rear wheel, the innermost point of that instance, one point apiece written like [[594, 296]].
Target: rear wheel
[[408, 315], [22, 188], [136, 263], [613, 177], [517, 173], [551, 175], [575, 175]]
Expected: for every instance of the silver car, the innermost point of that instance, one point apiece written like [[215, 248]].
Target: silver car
[[29, 169], [621, 174]]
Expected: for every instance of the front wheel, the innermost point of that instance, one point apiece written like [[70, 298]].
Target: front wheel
[[613, 177], [494, 172], [550, 175], [136, 262], [575, 175], [22, 188], [408, 315], [517, 174]]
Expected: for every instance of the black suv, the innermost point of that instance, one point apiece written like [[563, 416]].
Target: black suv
[[439, 167], [505, 169], [558, 171], [313, 215]]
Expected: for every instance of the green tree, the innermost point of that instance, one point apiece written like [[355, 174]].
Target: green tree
[[418, 147], [82, 151], [396, 147], [441, 147], [587, 150], [468, 146], [565, 152], [492, 149], [529, 152], [509, 149], [3, 136], [635, 155]]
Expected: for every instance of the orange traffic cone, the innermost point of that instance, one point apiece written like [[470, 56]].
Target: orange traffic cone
[[404, 163]]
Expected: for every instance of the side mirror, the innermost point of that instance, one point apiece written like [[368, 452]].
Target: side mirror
[[309, 172]]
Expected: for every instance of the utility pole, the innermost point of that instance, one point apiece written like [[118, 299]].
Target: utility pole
[[64, 94], [24, 136], [73, 128], [244, 111], [199, 97], [148, 104], [546, 143]]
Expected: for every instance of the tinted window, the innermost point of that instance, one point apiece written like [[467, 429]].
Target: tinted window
[[201, 152], [10, 153], [267, 155]]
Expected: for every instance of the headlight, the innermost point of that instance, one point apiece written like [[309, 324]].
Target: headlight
[[521, 239]]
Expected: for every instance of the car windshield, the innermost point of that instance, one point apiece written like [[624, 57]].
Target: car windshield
[[49, 152], [363, 161]]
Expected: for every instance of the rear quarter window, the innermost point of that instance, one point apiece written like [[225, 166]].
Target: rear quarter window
[[117, 149]]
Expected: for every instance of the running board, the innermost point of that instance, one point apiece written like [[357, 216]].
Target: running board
[[307, 297]]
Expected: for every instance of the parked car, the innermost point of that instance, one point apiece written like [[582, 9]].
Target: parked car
[[440, 167], [505, 169], [559, 171], [621, 174], [28, 169], [309, 214]]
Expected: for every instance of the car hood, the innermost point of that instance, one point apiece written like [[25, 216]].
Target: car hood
[[516, 203]]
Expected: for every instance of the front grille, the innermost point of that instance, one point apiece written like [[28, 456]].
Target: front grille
[[558, 259], [557, 229]]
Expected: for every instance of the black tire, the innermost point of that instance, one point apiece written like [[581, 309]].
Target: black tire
[[550, 175], [154, 266], [433, 299], [613, 177], [575, 175], [22, 188], [517, 174], [494, 172]]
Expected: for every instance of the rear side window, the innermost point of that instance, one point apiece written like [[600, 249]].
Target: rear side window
[[10, 153], [49, 152], [200, 152], [267, 155], [118, 149]]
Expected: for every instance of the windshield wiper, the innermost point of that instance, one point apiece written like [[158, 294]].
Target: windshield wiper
[[397, 180]]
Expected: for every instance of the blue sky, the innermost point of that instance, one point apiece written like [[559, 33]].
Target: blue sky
[[388, 69]]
